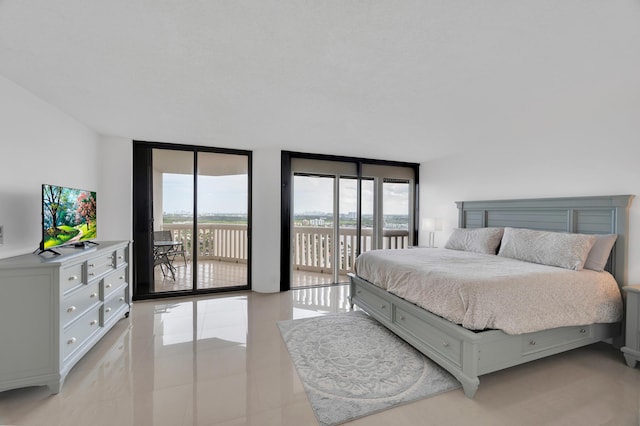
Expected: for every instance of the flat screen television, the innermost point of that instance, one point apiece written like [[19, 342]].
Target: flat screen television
[[68, 216]]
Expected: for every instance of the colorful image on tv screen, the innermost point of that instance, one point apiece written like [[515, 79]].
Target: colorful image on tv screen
[[68, 215]]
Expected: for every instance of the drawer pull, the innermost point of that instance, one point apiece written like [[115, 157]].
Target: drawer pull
[[121, 299], [73, 277], [110, 257], [71, 309], [401, 318], [107, 286], [91, 265], [359, 291], [92, 295], [71, 341], [445, 344], [107, 310], [94, 322], [383, 306], [582, 331], [91, 274], [120, 257], [121, 277], [532, 342]]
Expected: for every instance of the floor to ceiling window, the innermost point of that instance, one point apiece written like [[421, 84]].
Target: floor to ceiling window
[[191, 219], [335, 208]]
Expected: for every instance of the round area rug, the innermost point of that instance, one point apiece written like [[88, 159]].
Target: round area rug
[[352, 366]]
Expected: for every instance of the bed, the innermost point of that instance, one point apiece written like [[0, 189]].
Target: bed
[[472, 350]]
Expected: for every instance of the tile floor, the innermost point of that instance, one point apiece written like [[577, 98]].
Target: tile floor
[[220, 360]]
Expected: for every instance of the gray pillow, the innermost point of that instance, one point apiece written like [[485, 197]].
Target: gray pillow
[[600, 251], [478, 240], [561, 249]]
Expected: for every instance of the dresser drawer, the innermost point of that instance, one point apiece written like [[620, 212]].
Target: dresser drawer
[[120, 257], [71, 277], [374, 302], [100, 265], [77, 302], [111, 306], [113, 281], [80, 331], [447, 346]]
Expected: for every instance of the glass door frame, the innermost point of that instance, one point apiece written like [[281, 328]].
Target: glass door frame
[[286, 226], [143, 276]]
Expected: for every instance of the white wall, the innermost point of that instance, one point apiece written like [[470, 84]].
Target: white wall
[[582, 162], [115, 211], [38, 144]]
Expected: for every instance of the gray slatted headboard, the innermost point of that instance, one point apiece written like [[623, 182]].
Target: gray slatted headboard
[[585, 215]]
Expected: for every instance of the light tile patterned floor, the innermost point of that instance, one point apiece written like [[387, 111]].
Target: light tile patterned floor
[[220, 360]]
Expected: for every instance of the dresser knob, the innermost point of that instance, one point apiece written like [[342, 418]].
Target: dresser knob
[[120, 257], [532, 342], [401, 318], [73, 277], [121, 299], [107, 286], [445, 344], [121, 278], [71, 341], [71, 308], [94, 322], [107, 310], [582, 330], [92, 295], [91, 265], [91, 274]]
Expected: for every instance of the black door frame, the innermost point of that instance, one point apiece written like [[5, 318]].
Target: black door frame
[[287, 197], [143, 218]]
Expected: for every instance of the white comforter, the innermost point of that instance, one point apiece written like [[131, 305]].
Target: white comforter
[[480, 291]]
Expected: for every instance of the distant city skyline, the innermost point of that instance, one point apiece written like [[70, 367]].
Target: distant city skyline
[[228, 194]]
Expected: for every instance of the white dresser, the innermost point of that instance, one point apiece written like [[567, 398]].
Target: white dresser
[[54, 309]]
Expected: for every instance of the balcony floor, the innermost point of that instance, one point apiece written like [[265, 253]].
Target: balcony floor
[[219, 274]]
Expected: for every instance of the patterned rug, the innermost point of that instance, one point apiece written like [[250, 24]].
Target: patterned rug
[[351, 366]]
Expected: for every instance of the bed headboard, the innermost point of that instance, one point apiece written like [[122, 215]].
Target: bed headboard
[[585, 215]]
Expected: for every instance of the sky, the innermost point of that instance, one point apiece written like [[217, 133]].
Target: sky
[[228, 194]]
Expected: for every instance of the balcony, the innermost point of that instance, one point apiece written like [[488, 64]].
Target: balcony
[[223, 253]]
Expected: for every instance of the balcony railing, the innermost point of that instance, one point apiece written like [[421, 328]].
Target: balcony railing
[[311, 251]]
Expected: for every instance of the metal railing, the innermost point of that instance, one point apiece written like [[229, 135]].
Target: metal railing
[[311, 250]]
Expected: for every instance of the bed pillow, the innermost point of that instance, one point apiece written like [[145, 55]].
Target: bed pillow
[[561, 249], [600, 251], [478, 240]]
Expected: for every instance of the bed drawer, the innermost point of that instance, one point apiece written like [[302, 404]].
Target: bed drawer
[[447, 346], [548, 339], [374, 302]]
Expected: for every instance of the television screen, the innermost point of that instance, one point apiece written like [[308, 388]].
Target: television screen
[[68, 216]]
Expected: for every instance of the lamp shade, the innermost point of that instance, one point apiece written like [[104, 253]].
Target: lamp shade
[[431, 224]]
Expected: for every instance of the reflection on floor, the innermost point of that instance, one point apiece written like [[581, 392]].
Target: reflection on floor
[[220, 360], [219, 274]]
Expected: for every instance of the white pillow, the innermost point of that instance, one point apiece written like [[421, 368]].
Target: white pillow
[[600, 251], [478, 240], [561, 249]]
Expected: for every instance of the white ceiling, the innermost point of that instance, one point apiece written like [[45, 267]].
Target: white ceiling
[[403, 80]]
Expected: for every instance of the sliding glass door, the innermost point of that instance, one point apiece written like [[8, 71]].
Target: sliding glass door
[[198, 238], [340, 209]]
